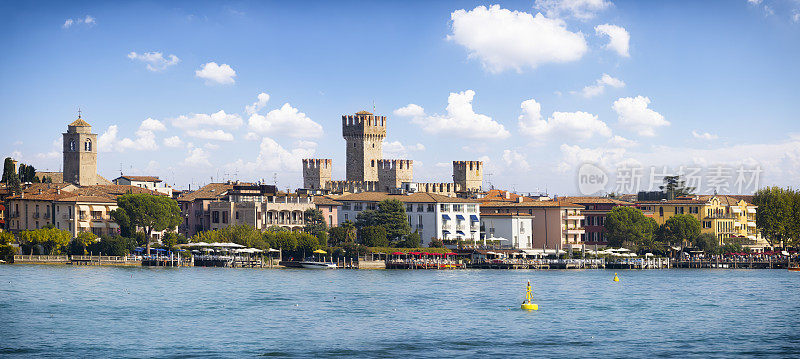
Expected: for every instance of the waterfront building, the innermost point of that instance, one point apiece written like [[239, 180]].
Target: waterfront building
[[194, 206], [152, 183], [595, 210], [70, 208], [433, 215], [556, 224], [259, 206], [516, 228], [367, 171], [329, 209], [728, 218]]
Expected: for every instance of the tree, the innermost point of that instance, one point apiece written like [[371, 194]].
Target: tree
[[169, 240], [366, 218], [6, 238], [306, 243], [680, 230], [50, 240], [627, 226], [316, 225], [436, 243], [374, 236], [391, 216], [412, 240], [774, 213], [8, 170], [674, 187], [149, 212], [706, 242]]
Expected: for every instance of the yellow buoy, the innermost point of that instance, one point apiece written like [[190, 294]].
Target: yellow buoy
[[616, 279], [526, 304]]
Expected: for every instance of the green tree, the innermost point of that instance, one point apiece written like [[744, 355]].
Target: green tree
[[674, 187], [337, 236], [436, 243], [774, 213], [366, 218], [51, 240], [706, 242], [286, 241], [306, 243], [627, 226], [149, 212], [391, 216], [374, 236], [680, 230], [314, 222], [412, 240], [7, 238], [170, 239], [8, 170]]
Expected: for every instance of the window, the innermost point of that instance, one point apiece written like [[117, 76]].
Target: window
[[345, 216], [373, 163], [409, 207], [661, 211], [237, 214], [458, 208], [346, 206], [87, 146], [431, 207], [215, 217], [72, 145], [444, 207], [471, 208], [224, 217], [330, 220]]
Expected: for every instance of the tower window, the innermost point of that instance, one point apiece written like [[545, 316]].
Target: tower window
[[87, 146], [373, 163], [72, 145]]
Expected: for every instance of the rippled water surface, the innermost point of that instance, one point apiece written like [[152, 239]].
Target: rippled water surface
[[64, 311]]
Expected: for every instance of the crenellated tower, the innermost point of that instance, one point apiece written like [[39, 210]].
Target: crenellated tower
[[317, 172], [468, 175], [364, 133], [392, 173]]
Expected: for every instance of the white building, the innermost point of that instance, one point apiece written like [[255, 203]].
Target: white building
[[516, 228], [433, 215], [149, 182]]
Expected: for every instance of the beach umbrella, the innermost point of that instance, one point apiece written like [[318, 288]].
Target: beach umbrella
[[319, 251]]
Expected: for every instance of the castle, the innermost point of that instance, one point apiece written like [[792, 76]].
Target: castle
[[368, 171]]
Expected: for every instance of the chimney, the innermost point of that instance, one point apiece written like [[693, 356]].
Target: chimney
[[507, 194], [519, 199]]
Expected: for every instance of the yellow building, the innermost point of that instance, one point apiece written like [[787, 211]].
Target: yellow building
[[726, 217]]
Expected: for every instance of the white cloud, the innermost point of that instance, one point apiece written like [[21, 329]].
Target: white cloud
[[211, 146], [285, 121], [217, 119], [219, 74], [600, 84], [87, 20], [152, 125], [145, 139], [251, 136], [197, 157], [460, 120], [578, 125], [634, 114], [704, 136], [618, 38], [261, 101], [395, 149], [573, 156], [796, 16], [503, 39], [410, 110], [754, 2], [155, 60], [217, 135], [173, 141], [516, 160], [274, 157], [620, 141], [579, 9]]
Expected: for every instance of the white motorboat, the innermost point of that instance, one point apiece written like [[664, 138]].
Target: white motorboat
[[318, 265]]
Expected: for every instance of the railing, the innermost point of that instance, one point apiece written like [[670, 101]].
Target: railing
[[36, 215], [47, 215]]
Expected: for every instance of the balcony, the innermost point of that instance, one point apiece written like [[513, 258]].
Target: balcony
[[36, 215], [47, 215], [576, 217], [574, 230]]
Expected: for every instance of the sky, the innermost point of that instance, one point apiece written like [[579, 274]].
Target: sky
[[199, 91]]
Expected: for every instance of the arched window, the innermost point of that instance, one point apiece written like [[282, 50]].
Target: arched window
[[87, 146], [72, 145]]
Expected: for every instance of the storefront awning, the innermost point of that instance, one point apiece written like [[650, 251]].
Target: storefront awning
[[473, 218], [460, 233], [445, 217], [445, 232], [459, 217]]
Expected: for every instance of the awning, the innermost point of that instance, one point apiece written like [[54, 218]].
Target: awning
[[751, 210], [83, 224], [83, 207], [98, 225], [446, 232], [736, 210], [751, 224], [445, 217], [459, 217], [98, 208], [473, 218], [461, 233]]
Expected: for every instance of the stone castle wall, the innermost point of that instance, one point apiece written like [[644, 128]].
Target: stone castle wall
[[393, 173], [364, 133], [317, 172], [468, 174]]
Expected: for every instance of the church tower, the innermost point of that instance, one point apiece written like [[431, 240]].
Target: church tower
[[80, 154], [364, 133]]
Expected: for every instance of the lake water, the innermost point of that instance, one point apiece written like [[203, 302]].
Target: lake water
[[65, 311]]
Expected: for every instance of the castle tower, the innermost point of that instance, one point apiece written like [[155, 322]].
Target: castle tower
[[364, 133], [468, 175], [392, 173], [80, 154], [316, 172]]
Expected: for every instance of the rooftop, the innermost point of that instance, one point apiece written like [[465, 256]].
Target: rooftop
[[80, 123], [418, 197], [141, 178]]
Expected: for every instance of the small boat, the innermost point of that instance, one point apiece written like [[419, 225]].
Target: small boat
[[318, 265]]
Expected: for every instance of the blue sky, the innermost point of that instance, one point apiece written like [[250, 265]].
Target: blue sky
[[711, 83]]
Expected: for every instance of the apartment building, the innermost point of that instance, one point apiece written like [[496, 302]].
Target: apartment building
[[433, 215], [517, 229], [261, 207], [595, 210], [726, 217], [556, 224]]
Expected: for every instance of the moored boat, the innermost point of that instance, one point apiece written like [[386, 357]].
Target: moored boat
[[318, 265]]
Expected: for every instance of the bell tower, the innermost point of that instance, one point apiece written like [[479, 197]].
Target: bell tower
[[80, 153]]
